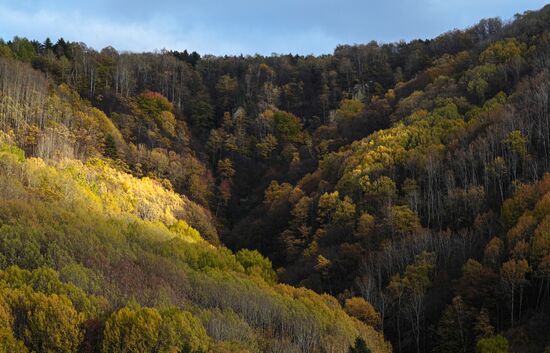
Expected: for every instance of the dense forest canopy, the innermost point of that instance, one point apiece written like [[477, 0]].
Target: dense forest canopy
[[385, 197]]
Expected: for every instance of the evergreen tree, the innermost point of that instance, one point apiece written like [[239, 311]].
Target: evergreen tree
[[110, 149], [360, 346]]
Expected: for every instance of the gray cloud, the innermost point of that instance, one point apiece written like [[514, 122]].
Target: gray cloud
[[244, 26]]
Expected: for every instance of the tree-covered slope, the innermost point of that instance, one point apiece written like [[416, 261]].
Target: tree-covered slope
[[405, 180], [94, 259]]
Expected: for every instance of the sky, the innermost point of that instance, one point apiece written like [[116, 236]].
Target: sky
[[236, 27]]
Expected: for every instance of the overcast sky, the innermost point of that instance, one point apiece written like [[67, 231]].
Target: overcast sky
[[245, 26]]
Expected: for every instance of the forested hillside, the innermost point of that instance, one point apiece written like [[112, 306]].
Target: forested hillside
[[396, 192], [94, 260]]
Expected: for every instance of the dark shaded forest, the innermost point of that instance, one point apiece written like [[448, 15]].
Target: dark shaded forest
[[387, 197]]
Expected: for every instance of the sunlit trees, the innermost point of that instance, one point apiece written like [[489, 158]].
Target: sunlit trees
[[47, 323], [255, 264], [402, 221], [8, 342], [181, 332], [225, 168], [24, 95], [349, 109], [82, 223], [332, 211], [132, 330], [502, 51], [287, 126], [495, 344], [363, 310], [266, 146]]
